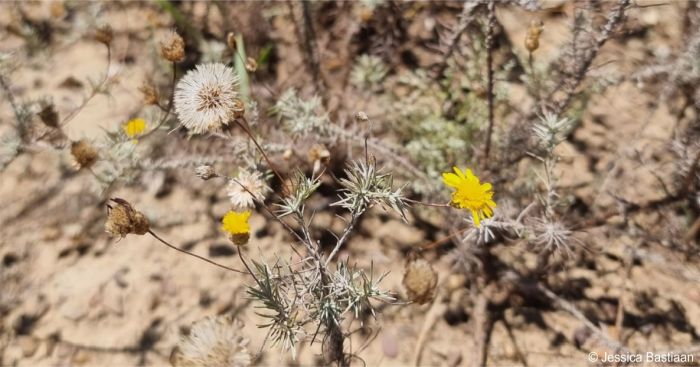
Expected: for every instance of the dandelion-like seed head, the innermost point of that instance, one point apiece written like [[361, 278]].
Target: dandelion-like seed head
[[470, 194], [206, 98], [246, 188], [236, 226], [213, 341]]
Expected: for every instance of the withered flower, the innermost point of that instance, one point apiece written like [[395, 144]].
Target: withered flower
[[532, 39], [49, 116], [123, 219], [420, 280], [173, 47], [84, 154]]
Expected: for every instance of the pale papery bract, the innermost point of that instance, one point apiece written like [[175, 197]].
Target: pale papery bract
[[213, 341], [254, 184], [205, 98]]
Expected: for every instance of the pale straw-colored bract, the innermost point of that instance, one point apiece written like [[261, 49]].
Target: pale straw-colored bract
[[213, 341], [205, 98], [254, 183]]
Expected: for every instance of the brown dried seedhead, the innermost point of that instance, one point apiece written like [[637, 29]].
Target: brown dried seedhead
[[123, 219], [532, 39], [173, 48], [84, 154], [149, 93], [48, 115], [420, 280]]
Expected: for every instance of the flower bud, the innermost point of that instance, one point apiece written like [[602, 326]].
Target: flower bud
[[123, 219], [251, 65], [532, 39], [173, 47], [205, 172], [420, 280], [361, 117], [231, 40], [319, 152]]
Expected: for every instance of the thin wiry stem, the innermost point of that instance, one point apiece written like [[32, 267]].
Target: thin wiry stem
[[489, 75], [195, 255], [243, 123], [94, 92], [11, 99], [346, 233], [465, 19], [170, 104]]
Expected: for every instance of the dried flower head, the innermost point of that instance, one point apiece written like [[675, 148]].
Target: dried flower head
[[319, 155], [48, 115], [172, 47], [470, 194], [532, 39], [84, 154], [123, 219], [213, 341], [420, 280], [104, 34], [150, 94], [206, 98], [246, 188], [236, 226], [205, 172], [134, 127]]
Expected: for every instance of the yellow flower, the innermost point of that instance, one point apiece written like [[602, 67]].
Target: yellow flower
[[470, 194], [236, 222], [236, 226], [134, 127]]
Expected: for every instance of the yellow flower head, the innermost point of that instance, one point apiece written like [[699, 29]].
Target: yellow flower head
[[470, 194], [235, 222], [134, 127]]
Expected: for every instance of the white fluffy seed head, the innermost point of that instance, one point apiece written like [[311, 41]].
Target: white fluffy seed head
[[206, 98], [241, 198], [213, 341]]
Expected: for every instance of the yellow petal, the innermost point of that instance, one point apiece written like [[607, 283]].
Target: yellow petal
[[450, 179], [477, 221], [459, 172]]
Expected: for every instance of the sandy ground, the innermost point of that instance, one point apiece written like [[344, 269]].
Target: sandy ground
[[80, 298]]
